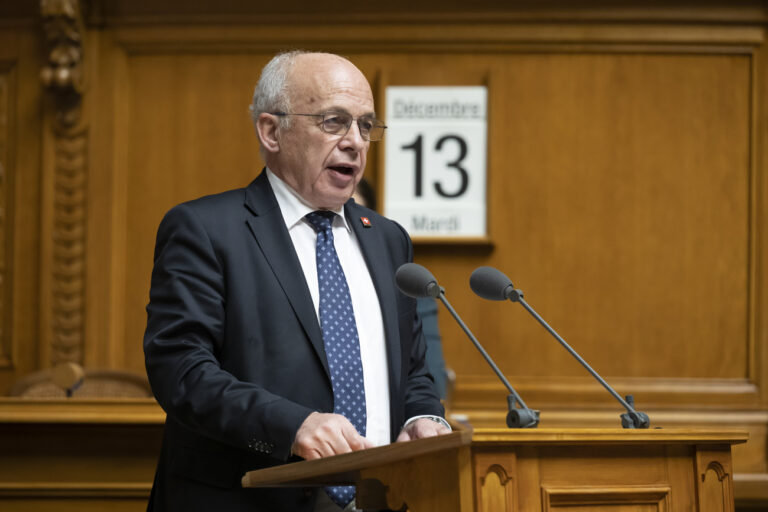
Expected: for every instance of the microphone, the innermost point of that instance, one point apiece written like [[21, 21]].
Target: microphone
[[492, 284], [416, 281]]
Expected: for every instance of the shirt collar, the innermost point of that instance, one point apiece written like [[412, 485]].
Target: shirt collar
[[292, 205]]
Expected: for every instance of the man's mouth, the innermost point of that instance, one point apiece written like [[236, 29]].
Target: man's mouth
[[343, 169]]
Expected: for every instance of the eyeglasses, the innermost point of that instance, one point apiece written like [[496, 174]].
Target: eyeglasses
[[338, 123]]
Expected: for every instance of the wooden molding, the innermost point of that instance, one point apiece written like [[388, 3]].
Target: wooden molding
[[604, 417], [500, 472], [715, 484], [495, 478], [82, 455], [441, 38], [485, 392], [750, 487], [6, 347], [63, 25], [553, 498], [62, 75], [72, 490], [586, 436], [68, 246], [425, 12], [123, 411]]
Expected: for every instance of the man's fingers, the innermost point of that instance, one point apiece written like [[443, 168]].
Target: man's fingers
[[324, 443], [354, 440], [323, 435], [312, 454], [422, 428], [429, 430]]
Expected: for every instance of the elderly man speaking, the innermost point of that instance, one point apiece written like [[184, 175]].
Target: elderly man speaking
[[275, 331]]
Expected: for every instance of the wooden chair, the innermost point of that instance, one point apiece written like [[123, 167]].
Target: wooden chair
[[71, 380]]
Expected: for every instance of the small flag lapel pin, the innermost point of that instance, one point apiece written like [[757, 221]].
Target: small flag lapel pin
[[366, 222]]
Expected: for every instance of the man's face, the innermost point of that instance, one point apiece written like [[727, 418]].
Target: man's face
[[323, 168]]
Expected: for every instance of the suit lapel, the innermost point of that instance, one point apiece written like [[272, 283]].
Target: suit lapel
[[268, 228], [375, 252]]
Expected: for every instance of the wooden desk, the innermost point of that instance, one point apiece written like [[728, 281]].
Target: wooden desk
[[530, 470], [78, 455]]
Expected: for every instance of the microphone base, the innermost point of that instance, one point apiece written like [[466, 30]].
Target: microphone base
[[522, 417], [635, 420]]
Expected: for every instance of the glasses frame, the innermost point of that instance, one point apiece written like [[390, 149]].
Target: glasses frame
[[349, 125]]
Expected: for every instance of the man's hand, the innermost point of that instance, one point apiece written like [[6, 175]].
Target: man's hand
[[422, 427], [323, 435]]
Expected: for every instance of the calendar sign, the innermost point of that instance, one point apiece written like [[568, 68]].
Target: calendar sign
[[435, 160]]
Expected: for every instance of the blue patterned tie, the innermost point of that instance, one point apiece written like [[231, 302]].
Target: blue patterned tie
[[342, 346]]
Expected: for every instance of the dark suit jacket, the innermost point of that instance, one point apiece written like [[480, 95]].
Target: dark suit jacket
[[234, 350]]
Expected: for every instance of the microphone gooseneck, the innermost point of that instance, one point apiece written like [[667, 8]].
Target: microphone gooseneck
[[490, 283], [416, 281]]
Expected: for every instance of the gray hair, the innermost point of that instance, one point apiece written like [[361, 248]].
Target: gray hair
[[270, 94]]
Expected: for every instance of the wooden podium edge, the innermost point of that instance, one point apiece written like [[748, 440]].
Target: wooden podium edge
[[345, 469], [491, 436]]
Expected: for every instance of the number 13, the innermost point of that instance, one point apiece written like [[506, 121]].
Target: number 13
[[416, 146]]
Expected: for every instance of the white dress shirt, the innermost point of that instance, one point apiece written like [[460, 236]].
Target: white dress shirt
[[365, 301]]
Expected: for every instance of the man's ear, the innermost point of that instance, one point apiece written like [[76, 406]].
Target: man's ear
[[266, 129]]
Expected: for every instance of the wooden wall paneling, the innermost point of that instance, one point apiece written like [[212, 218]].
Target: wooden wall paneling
[[613, 245], [751, 464], [626, 184], [453, 262], [19, 217], [189, 135], [107, 224], [121, 251], [558, 364], [711, 369], [609, 240], [757, 364], [535, 352], [759, 201], [7, 93]]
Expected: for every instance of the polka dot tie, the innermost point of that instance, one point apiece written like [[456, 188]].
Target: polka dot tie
[[342, 346]]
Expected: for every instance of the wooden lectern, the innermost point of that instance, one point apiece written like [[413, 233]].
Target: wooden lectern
[[495, 470]]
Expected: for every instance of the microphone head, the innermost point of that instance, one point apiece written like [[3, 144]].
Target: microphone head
[[491, 284], [416, 281]]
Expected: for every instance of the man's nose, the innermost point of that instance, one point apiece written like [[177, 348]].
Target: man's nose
[[353, 139]]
